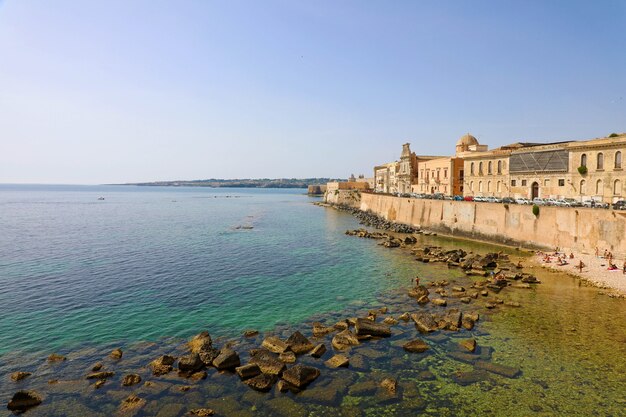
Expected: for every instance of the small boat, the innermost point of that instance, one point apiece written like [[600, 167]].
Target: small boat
[[100, 198]]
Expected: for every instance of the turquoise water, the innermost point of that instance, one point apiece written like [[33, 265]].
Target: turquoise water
[[153, 262]]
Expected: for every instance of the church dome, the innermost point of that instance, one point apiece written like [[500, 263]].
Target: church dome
[[467, 140]]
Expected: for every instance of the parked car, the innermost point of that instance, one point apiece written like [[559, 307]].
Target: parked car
[[551, 201], [438, 196], [479, 199], [619, 205], [448, 197], [458, 198], [523, 200], [593, 203], [570, 202], [508, 200], [468, 198], [538, 201]]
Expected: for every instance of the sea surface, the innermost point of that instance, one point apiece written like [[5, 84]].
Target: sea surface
[[145, 268]]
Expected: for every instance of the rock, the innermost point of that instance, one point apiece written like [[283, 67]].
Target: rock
[[132, 402], [320, 330], [453, 318], [267, 362], [287, 357], [341, 325], [208, 355], [467, 323], [202, 412], [418, 292], [439, 302], [24, 400], [470, 377], [512, 304], [131, 379], [284, 386], [99, 383], [248, 371], [261, 382], [116, 354], [474, 316], [18, 376], [424, 322], [343, 340], [503, 370], [250, 333], [362, 389], [274, 344], [390, 321], [100, 375], [405, 317], [299, 344], [200, 342], [56, 358], [162, 365], [200, 375], [391, 385], [415, 346], [423, 300], [300, 375], [318, 350], [365, 327], [468, 344], [190, 363], [97, 367], [490, 305], [227, 359], [338, 361]]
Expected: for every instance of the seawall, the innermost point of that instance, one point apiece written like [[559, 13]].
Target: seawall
[[578, 229]]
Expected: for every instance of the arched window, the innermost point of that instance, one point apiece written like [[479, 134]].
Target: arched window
[[488, 186], [480, 186], [617, 187], [599, 188], [472, 185], [480, 168], [472, 168], [600, 164], [498, 187], [618, 159], [583, 187], [583, 160], [489, 168], [499, 167]]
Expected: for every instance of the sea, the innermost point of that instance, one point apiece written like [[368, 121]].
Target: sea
[[84, 269]]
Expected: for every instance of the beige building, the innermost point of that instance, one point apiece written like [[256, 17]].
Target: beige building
[[550, 170]]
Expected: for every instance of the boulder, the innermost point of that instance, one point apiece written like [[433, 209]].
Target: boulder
[[390, 321], [320, 330], [18, 376], [300, 375], [453, 318], [341, 325], [100, 375], [468, 344], [99, 383], [262, 382], [250, 333], [208, 355], [318, 350], [248, 371], [338, 361], [424, 322], [391, 385], [199, 375], [343, 340], [467, 323], [190, 363], [267, 362], [287, 357], [97, 367], [299, 344], [56, 358], [405, 316], [200, 342], [132, 402], [439, 302], [415, 346], [284, 386], [24, 400], [274, 344], [364, 327], [162, 365], [131, 379], [116, 354], [202, 412], [418, 292], [227, 359]]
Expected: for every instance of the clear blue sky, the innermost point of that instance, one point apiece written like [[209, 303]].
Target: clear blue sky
[[117, 91]]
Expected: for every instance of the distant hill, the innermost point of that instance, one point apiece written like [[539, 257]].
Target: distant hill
[[242, 183]]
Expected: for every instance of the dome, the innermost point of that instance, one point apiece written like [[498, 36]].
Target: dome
[[467, 140]]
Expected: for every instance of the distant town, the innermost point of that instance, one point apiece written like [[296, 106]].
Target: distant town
[[241, 183]]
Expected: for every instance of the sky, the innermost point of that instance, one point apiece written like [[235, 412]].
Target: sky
[[126, 91]]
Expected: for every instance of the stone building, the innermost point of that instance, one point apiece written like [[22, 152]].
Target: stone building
[[385, 179], [400, 176]]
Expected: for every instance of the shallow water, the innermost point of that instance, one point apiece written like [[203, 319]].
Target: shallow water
[[296, 266]]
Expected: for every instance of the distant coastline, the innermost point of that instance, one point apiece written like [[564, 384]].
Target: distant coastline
[[240, 183]]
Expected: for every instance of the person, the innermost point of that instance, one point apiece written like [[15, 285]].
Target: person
[[624, 268], [581, 265], [606, 254], [612, 267], [520, 266], [571, 255], [610, 257], [597, 252], [417, 281]]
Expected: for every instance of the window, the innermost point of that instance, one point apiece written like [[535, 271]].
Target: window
[[480, 168], [472, 168], [546, 183], [498, 187], [617, 187], [599, 190], [583, 187], [472, 186], [561, 182], [489, 168], [523, 183], [618, 160], [445, 173], [583, 160], [480, 186], [512, 183], [600, 163], [461, 175], [488, 186], [499, 167]]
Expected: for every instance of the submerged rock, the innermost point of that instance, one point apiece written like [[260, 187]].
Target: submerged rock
[[299, 344], [250, 333], [248, 371], [503, 370], [116, 354], [343, 340], [415, 346], [274, 344], [469, 377], [56, 358], [318, 350], [202, 412], [101, 375], [391, 385], [190, 363], [338, 361], [468, 344], [132, 402], [364, 327], [24, 400], [262, 382], [227, 359], [162, 365], [131, 379], [267, 362], [18, 376], [424, 322], [300, 375], [287, 357]]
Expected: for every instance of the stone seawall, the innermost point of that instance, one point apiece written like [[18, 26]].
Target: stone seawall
[[578, 229], [350, 198]]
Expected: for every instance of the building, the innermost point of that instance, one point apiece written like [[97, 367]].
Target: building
[[385, 179]]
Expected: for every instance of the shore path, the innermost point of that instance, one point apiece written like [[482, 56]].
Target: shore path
[[595, 271]]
